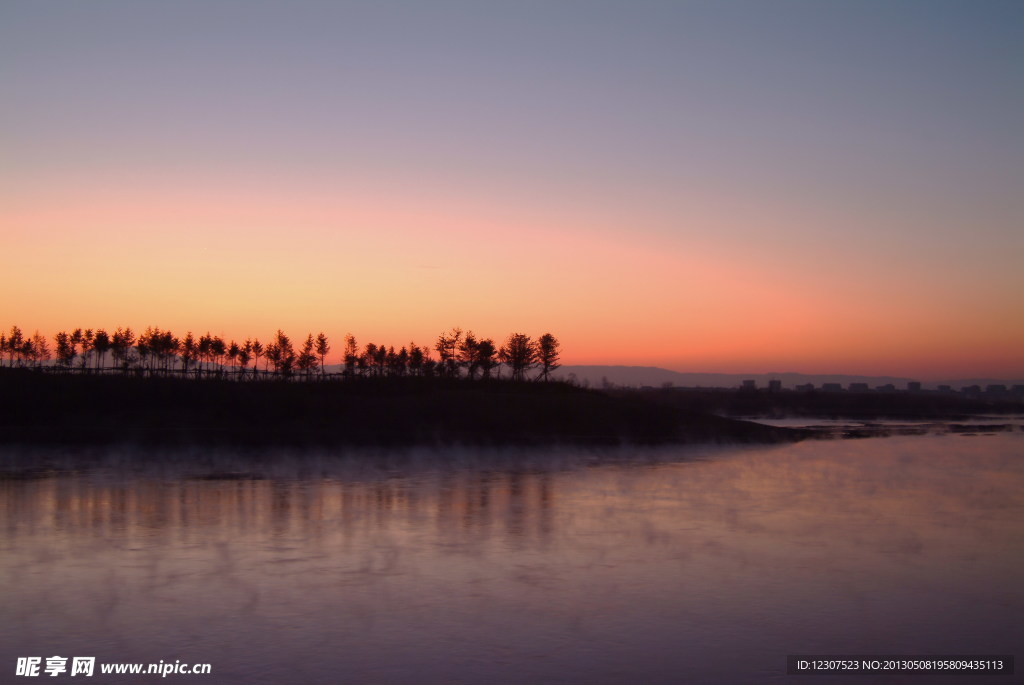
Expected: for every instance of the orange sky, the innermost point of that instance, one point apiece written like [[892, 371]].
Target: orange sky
[[245, 261], [641, 188]]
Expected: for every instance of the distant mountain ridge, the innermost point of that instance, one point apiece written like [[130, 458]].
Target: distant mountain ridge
[[637, 376]]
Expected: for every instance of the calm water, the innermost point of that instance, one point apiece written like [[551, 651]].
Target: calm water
[[697, 565]]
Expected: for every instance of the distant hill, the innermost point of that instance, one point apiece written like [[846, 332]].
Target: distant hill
[[638, 376]]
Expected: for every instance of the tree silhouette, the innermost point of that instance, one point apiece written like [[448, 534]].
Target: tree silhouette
[[368, 361], [351, 355], [217, 351], [189, 352], [85, 339], [101, 343], [122, 341], [257, 352], [233, 351], [468, 355], [417, 356], [281, 354], [306, 360], [486, 356], [65, 350], [322, 348], [203, 350], [244, 355], [548, 349], [398, 362], [37, 350], [159, 352], [519, 353], [447, 346], [15, 344]]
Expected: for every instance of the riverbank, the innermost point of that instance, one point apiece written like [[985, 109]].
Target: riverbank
[[38, 408]]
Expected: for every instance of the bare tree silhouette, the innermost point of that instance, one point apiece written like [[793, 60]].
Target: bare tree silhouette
[[14, 345], [65, 350], [322, 348], [122, 341], [486, 356], [519, 353], [233, 351], [548, 349], [257, 352], [281, 354], [306, 359], [158, 352], [351, 355], [85, 339], [244, 355], [468, 355], [101, 343], [447, 346]]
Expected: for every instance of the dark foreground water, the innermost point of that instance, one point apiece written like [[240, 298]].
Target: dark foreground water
[[696, 565]]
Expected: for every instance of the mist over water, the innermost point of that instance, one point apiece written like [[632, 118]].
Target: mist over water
[[694, 565]]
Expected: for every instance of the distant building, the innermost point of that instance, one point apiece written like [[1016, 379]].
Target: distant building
[[971, 389], [914, 386], [832, 387], [806, 387], [774, 386], [1018, 390], [945, 388], [995, 389], [749, 385], [858, 387], [888, 387]]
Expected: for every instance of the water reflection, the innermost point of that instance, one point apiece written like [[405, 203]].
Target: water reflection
[[436, 569]]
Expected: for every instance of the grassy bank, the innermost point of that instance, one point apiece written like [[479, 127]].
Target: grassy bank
[[40, 408]]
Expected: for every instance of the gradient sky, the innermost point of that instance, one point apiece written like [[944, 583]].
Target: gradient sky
[[738, 186]]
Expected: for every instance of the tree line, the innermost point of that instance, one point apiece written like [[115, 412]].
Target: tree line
[[160, 352]]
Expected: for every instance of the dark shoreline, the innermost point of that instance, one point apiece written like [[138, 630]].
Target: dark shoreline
[[107, 409], [862, 406]]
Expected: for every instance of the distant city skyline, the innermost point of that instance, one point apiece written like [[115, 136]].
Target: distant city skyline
[[732, 187]]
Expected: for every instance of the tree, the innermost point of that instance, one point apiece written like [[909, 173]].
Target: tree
[[65, 350], [122, 342], [368, 360], [306, 360], [398, 363], [203, 351], [486, 354], [283, 357], [468, 354], [351, 355], [85, 339], [40, 349], [548, 349], [160, 347], [101, 343], [417, 357], [217, 351], [233, 351], [519, 353], [189, 351], [257, 352], [244, 355], [322, 348], [15, 344], [143, 349], [447, 346]]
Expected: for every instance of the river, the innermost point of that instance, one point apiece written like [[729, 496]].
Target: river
[[700, 564]]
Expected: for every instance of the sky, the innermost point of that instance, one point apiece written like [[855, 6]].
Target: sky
[[738, 186]]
